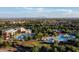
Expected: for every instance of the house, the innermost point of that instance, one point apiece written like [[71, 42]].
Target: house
[[8, 33], [23, 30], [6, 36]]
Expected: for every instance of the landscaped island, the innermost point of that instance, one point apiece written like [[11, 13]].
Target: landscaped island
[[39, 35]]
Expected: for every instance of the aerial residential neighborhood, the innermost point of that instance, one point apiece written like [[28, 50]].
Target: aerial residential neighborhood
[[39, 29], [39, 36]]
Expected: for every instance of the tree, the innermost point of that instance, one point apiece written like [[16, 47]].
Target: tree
[[44, 49], [29, 38], [61, 48], [35, 49], [49, 30], [77, 44], [38, 35], [0, 32], [1, 40], [77, 35], [55, 50], [45, 34]]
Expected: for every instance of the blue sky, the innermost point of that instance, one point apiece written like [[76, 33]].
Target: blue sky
[[52, 12]]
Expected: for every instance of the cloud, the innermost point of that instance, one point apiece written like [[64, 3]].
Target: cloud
[[51, 12], [35, 9], [48, 10], [27, 8], [67, 11], [40, 10]]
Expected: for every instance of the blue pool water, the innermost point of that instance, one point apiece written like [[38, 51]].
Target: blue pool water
[[23, 36], [63, 38], [50, 40]]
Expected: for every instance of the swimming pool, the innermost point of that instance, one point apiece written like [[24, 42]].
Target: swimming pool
[[62, 37], [24, 36]]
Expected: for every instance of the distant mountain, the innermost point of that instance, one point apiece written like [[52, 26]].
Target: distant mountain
[[39, 18]]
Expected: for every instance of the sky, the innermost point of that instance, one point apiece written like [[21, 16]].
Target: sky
[[48, 12]]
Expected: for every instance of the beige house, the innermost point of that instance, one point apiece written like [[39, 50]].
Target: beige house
[[11, 32], [25, 30]]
